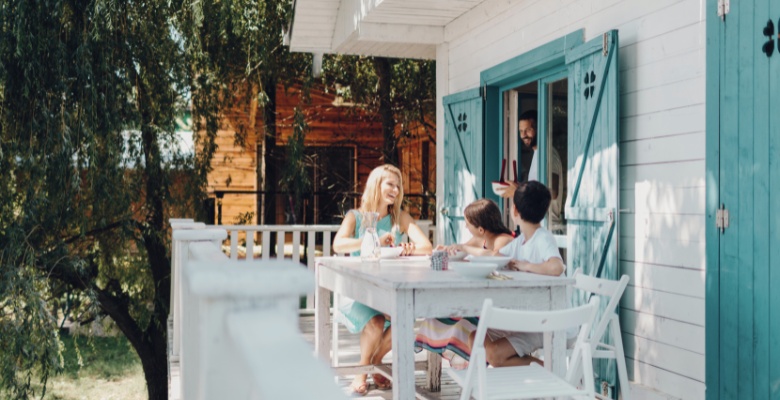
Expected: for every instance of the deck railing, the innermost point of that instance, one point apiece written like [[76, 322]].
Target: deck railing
[[234, 324]]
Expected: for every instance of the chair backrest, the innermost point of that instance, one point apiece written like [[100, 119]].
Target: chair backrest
[[534, 321], [613, 290]]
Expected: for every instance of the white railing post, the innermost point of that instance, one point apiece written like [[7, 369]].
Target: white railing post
[[176, 260], [226, 299], [182, 238]]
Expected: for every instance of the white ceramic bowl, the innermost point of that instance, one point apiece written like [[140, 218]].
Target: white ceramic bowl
[[499, 187], [391, 252], [459, 256], [472, 270], [498, 261]]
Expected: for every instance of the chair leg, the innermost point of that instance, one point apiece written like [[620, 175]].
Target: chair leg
[[620, 358]]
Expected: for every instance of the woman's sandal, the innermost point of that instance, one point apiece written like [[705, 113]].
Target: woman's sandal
[[360, 388], [456, 361], [381, 382]]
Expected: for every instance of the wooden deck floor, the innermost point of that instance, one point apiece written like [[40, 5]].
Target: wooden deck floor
[[349, 352]]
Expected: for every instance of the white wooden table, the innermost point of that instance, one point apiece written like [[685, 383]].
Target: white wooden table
[[406, 289]]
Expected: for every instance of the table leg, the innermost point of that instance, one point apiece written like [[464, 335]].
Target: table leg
[[433, 380], [322, 322], [403, 346]]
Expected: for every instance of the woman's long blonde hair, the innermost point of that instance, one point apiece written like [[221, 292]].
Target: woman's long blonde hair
[[372, 195]]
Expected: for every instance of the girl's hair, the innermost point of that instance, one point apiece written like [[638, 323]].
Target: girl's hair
[[372, 195], [484, 213]]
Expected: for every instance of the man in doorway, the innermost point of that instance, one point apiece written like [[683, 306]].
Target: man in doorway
[[526, 128]]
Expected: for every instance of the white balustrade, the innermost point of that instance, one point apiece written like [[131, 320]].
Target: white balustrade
[[294, 250], [229, 314], [234, 317]]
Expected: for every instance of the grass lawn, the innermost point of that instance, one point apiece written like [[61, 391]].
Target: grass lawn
[[110, 369]]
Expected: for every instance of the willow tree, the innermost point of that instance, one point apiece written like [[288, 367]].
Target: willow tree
[[90, 170], [241, 43], [401, 92]]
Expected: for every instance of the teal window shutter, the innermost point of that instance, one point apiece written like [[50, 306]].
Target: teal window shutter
[[463, 160], [593, 190]]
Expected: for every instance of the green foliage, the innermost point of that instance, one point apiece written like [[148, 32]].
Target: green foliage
[[90, 170], [295, 176], [412, 92]]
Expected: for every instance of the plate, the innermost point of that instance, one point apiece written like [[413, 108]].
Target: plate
[[391, 252], [472, 270], [498, 261], [459, 256]]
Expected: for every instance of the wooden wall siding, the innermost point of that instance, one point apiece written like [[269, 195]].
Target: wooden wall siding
[[332, 125], [412, 152], [329, 125], [662, 145], [235, 163]]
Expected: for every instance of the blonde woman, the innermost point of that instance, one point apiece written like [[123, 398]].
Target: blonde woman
[[383, 194]]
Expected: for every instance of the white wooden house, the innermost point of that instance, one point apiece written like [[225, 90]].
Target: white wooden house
[[660, 111]]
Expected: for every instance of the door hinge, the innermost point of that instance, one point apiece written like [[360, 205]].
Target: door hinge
[[723, 8], [722, 218]]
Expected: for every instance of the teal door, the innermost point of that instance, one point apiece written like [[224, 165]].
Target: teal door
[[743, 179], [592, 194], [463, 160]]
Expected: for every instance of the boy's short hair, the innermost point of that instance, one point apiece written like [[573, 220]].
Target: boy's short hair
[[532, 199]]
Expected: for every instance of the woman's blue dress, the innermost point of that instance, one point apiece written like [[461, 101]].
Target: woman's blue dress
[[352, 314]]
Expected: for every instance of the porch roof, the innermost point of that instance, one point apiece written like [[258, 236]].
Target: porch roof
[[392, 28]]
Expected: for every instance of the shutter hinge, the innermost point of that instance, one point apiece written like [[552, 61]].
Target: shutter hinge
[[723, 8], [722, 218], [605, 44], [483, 91]]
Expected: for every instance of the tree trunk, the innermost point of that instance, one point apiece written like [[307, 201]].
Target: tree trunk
[[384, 72], [270, 156]]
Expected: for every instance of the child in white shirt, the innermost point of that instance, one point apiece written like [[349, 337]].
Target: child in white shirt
[[536, 251]]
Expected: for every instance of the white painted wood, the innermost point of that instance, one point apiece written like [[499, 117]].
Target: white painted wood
[[663, 149], [400, 33], [311, 242], [296, 253], [668, 305], [234, 245], [177, 249], [673, 384], [684, 281], [250, 246], [407, 289], [680, 361], [671, 251], [213, 288], [531, 381], [442, 90], [667, 123], [270, 347], [663, 176], [266, 244], [646, 199], [684, 227], [663, 330]]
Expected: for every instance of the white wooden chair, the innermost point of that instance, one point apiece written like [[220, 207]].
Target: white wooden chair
[[612, 291], [531, 381]]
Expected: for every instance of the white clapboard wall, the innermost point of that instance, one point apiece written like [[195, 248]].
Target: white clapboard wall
[[662, 145]]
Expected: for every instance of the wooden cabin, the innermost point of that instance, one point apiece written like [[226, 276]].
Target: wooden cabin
[[342, 146], [660, 114]]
